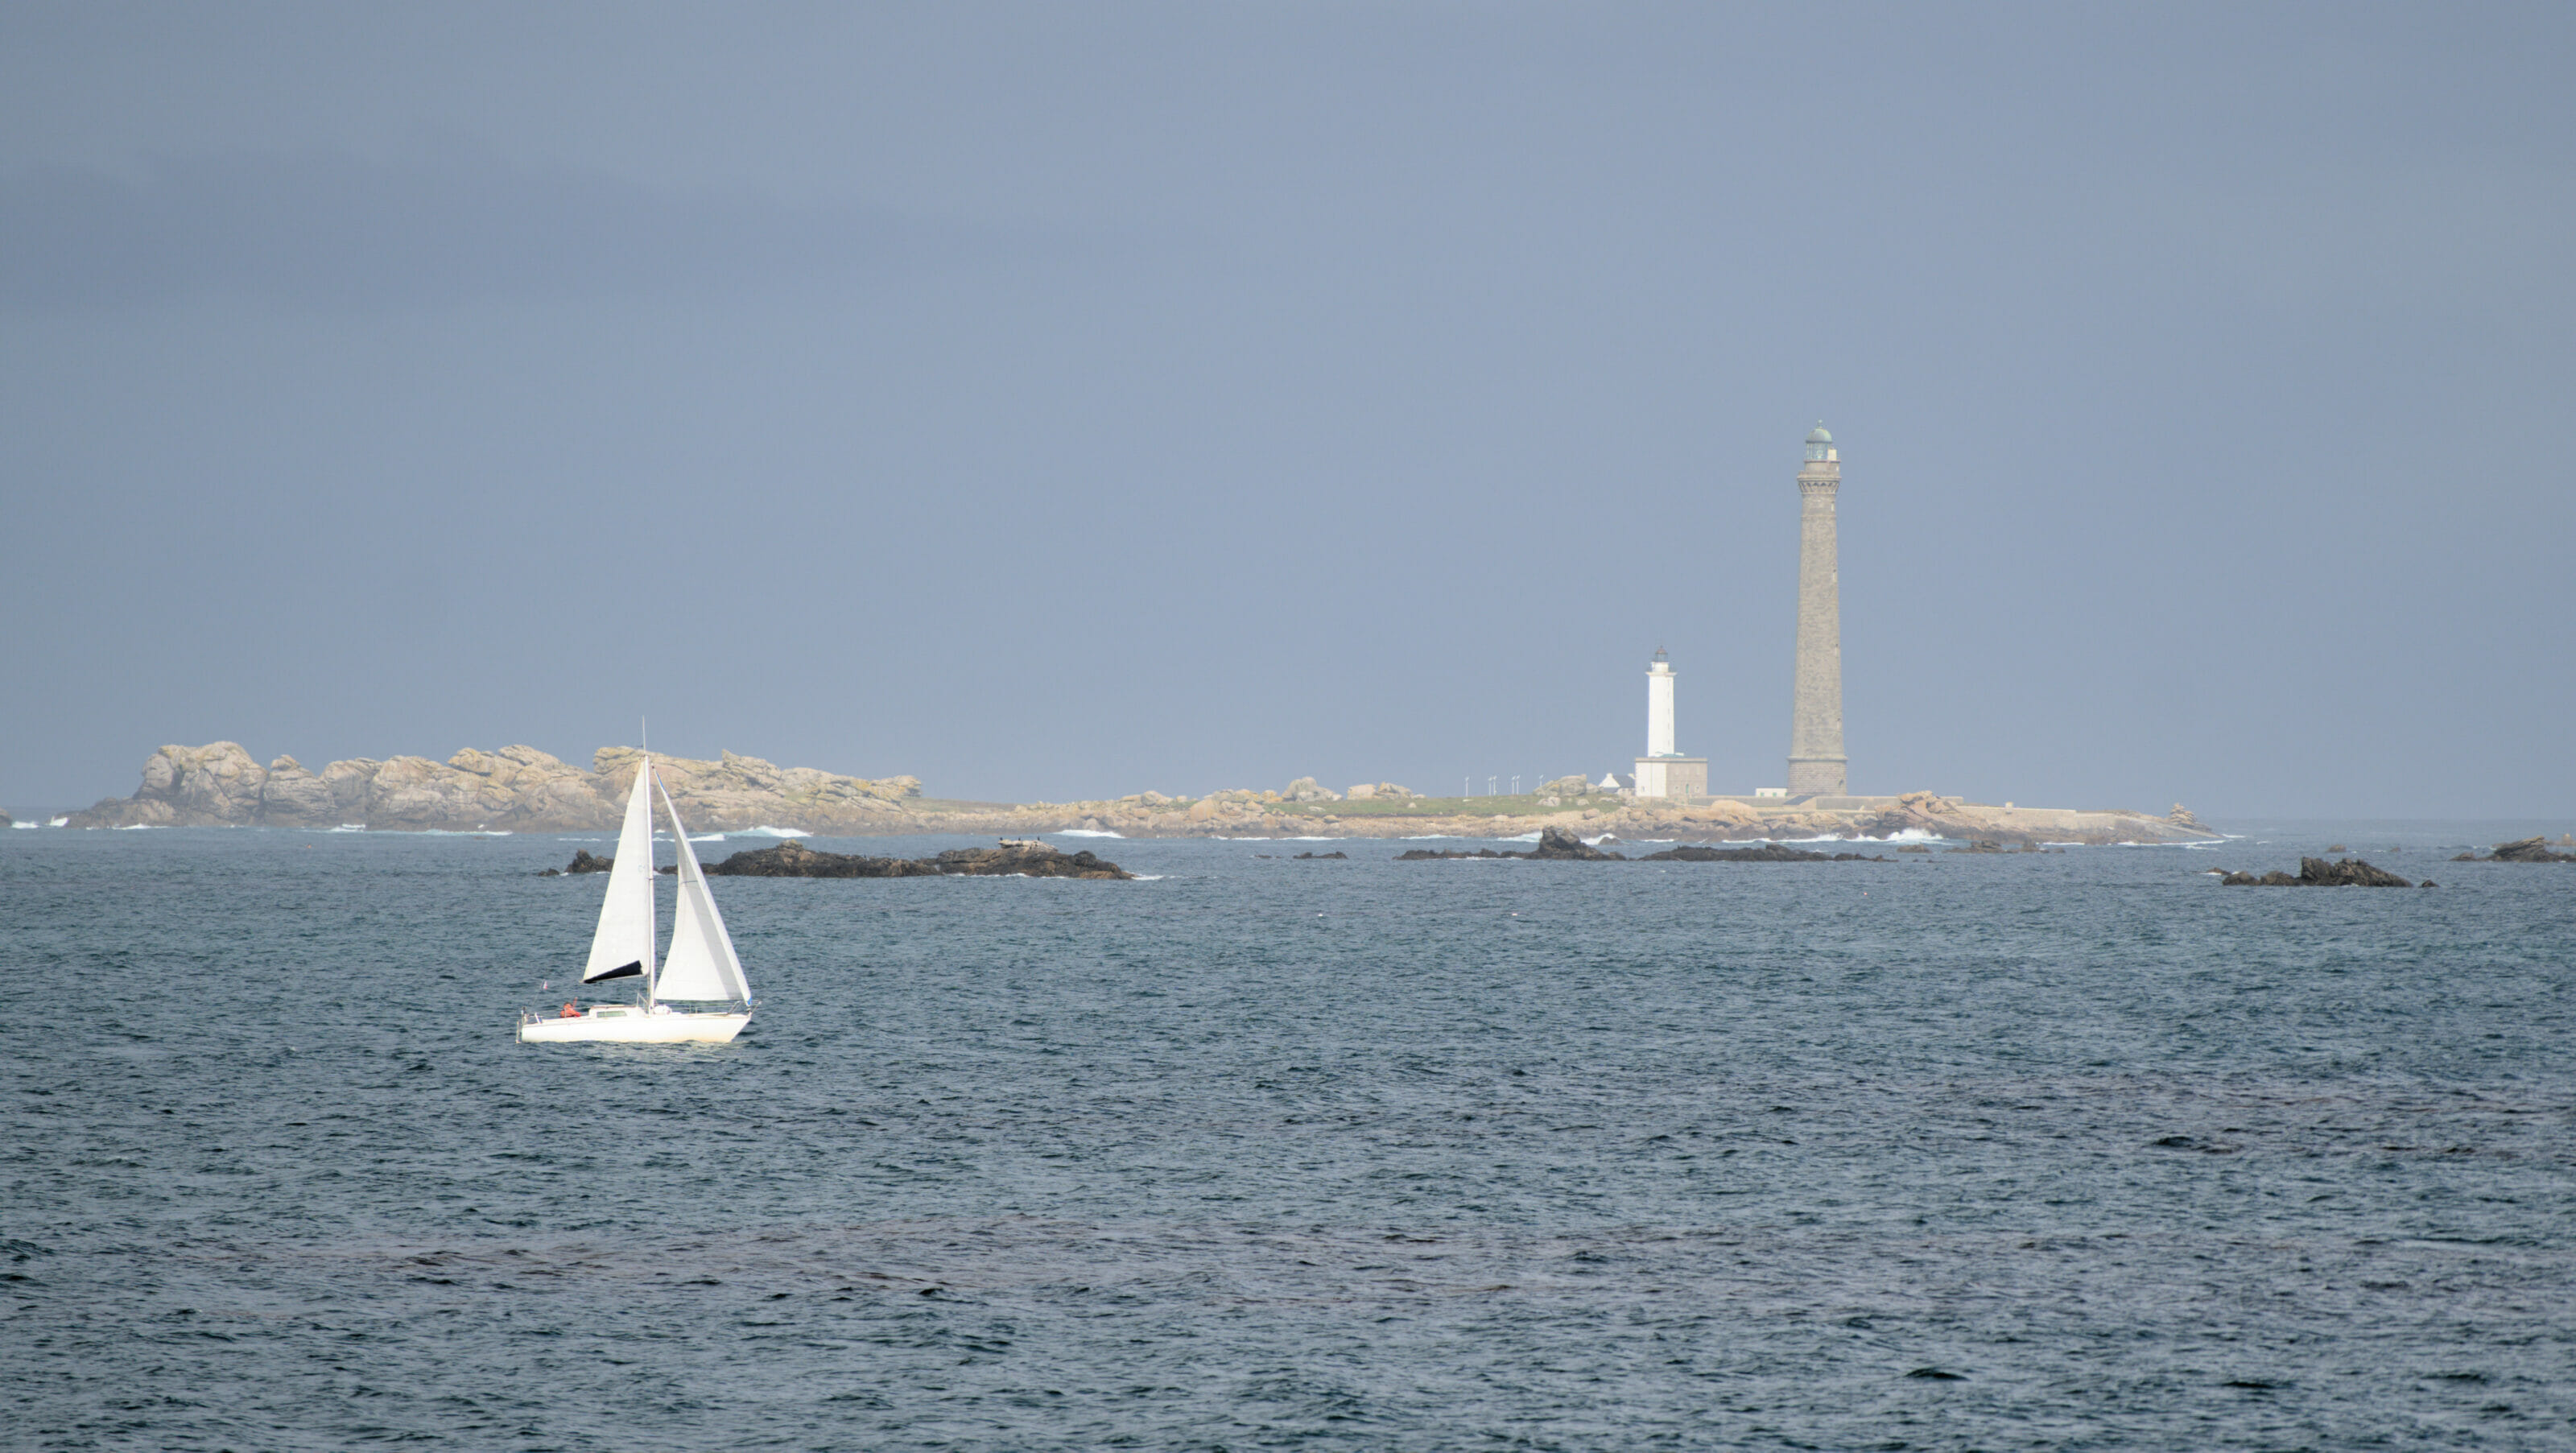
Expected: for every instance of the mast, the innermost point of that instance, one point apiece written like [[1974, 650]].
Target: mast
[[646, 781]]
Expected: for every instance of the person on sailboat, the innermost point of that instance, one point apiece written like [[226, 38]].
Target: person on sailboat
[[570, 1012]]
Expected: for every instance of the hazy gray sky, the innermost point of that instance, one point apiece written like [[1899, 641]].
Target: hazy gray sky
[[1060, 401]]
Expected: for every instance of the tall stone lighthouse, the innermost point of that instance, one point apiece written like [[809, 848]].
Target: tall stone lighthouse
[[1816, 764]]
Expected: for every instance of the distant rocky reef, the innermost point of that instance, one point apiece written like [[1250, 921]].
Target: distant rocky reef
[[2526, 850], [1014, 858], [514, 789], [1558, 845], [523, 789]]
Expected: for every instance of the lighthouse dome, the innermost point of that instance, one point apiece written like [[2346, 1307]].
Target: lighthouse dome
[[1818, 435]]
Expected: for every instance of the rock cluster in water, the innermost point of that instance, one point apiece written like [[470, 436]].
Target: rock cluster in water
[[1554, 844], [1766, 853], [2527, 850], [1561, 846], [792, 859], [582, 862], [2318, 873]]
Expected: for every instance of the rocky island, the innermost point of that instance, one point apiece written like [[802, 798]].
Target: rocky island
[[2319, 873], [792, 859], [522, 789], [1014, 858], [2526, 850]]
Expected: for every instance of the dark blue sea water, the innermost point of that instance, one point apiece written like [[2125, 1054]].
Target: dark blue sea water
[[2071, 1150]]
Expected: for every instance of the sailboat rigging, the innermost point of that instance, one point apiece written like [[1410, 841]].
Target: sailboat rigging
[[701, 966]]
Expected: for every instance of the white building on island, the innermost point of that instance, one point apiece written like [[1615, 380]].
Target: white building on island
[[1663, 772]]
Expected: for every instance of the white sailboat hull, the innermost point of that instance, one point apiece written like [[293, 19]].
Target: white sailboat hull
[[633, 1026]]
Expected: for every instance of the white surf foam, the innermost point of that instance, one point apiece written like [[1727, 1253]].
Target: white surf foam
[[775, 832], [138, 827], [60, 822], [1527, 837], [24, 824], [1083, 832], [351, 827], [1149, 877]]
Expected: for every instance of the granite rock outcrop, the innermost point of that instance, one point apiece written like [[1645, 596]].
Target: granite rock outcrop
[[2319, 873], [514, 789]]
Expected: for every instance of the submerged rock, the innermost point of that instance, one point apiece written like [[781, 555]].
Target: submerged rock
[[1766, 853], [2527, 850], [1317, 857], [1554, 844], [2318, 873], [792, 859], [582, 862]]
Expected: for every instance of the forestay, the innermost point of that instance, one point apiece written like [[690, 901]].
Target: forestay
[[702, 964], [623, 946]]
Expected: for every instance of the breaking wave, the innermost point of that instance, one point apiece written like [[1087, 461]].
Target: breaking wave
[[1084, 832], [775, 832], [25, 824]]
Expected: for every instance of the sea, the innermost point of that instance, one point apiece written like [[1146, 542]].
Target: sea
[[2054, 1150]]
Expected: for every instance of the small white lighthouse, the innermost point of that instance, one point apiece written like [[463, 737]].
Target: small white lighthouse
[[1659, 705], [1662, 772]]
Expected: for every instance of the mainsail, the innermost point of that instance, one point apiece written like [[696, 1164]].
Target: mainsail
[[701, 963], [623, 946]]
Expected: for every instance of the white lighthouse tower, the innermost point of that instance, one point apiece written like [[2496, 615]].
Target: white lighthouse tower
[[1662, 772]]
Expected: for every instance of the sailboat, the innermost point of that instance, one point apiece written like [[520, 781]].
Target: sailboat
[[699, 969]]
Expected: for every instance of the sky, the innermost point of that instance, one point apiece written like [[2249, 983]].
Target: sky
[[1064, 401]]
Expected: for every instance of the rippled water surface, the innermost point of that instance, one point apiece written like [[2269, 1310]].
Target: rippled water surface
[[2072, 1150]]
